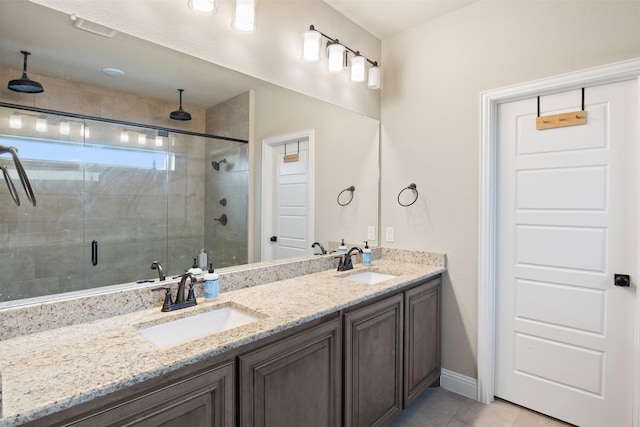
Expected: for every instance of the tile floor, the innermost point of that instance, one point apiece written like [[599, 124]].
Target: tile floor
[[438, 407]]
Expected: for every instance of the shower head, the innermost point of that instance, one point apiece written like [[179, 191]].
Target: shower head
[[180, 114], [24, 84], [216, 165]]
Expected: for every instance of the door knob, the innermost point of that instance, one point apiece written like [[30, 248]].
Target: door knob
[[274, 238], [621, 280]]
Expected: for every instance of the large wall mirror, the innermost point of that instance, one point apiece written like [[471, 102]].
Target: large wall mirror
[[110, 170]]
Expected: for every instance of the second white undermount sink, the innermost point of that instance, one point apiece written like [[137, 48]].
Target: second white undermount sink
[[370, 277], [187, 329]]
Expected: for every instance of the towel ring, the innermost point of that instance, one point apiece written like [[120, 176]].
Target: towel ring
[[413, 187], [351, 189]]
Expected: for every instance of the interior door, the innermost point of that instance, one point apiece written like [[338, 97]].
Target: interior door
[[289, 234], [567, 223]]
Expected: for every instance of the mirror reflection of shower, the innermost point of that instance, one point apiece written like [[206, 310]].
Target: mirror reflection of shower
[[216, 165]]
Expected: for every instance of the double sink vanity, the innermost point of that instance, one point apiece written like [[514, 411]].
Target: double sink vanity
[[292, 340]]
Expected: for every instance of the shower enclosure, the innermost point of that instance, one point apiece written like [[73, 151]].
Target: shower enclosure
[[113, 198]]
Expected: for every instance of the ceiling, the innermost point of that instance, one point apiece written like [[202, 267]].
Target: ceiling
[[384, 18]]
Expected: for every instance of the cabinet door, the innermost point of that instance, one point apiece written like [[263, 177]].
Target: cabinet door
[[203, 400], [422, 345], [373, 363], [293, 382]]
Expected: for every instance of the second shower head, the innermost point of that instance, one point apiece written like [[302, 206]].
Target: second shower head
[[216, 165]]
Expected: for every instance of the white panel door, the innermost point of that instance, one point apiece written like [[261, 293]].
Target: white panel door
[[567, 209], [291, 202]]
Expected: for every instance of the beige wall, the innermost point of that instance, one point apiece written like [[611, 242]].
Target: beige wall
[[271, 53], [430, 118]]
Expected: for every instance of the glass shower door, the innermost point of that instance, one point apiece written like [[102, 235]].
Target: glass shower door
[[125, 227]]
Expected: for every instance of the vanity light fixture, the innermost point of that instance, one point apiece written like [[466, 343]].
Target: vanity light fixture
[[124, 136], [85, 131], [159, 142], [64, 128], [24, 84], [142, 139], [15, 121], [245, 16], [180, 114], [202, 7], [337, 55]]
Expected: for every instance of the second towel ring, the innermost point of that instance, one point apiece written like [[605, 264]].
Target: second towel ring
[[351, 189], [412, 187]]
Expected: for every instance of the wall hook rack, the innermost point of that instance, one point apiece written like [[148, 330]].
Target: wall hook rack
[[411, 187], [351, 189]]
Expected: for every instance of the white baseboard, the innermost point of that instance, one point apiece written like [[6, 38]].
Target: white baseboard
[[459, 383]]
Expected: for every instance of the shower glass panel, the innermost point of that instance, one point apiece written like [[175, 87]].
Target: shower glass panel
[[42, 246]]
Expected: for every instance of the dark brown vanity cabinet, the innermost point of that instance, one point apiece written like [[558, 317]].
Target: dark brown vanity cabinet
[[293, 382], [373, 363], [422, 306], [391, 355], [204, 399]]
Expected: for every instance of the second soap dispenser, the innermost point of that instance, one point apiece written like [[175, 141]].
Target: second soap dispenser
[[366, 254], [211, 284]]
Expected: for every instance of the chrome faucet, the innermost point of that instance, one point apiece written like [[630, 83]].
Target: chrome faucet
[[181, 301], [345, 262], [155, 265], [319, 245]]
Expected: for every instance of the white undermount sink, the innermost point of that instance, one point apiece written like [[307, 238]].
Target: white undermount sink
[[369, 277], [180, 331]]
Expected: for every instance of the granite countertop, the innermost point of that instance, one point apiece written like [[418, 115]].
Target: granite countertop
[[48, 371]]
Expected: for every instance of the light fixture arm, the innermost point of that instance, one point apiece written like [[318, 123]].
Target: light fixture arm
[[332, 40]]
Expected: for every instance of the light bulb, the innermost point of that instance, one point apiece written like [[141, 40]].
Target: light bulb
[[311, 45], [158, 141], [15, 121], [335, 63], [41, 125], [65, 128], [358, 68], [124, 136], [245, 18], [375, 77], [202, 7], [142, 138]]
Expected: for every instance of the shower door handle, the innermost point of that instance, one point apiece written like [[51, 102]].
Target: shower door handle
[[94, 253]]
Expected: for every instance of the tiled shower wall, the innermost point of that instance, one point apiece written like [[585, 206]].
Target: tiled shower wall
[[227, 244]]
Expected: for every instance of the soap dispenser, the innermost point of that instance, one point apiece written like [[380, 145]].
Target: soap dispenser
[[195, 270], [202, 259], [342, 249], [211, 284], [366, 254]]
